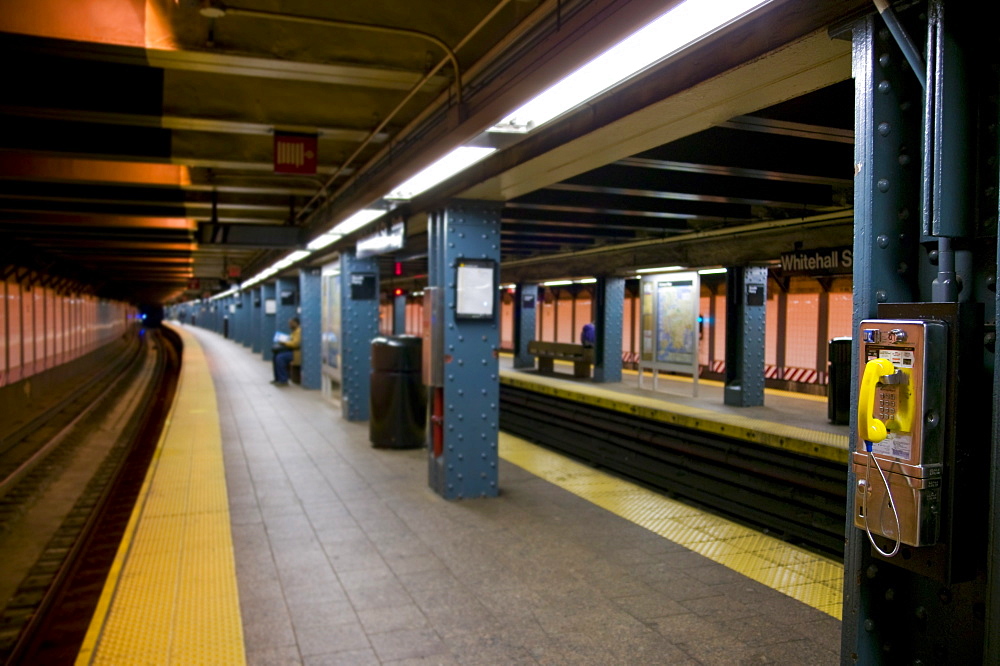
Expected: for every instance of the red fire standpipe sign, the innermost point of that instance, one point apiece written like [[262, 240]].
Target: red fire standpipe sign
[[295, 153]]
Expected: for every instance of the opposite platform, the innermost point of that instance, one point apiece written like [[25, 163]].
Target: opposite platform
[[789, 421]]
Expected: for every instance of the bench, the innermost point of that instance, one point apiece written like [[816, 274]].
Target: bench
[[547, 353]]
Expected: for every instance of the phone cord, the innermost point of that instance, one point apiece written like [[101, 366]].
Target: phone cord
[[888, 494]]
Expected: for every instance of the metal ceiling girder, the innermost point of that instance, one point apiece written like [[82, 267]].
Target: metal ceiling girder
[[187, 123], [251, 236], [786, 128], [761, 241], [738, 172], [219, 63]]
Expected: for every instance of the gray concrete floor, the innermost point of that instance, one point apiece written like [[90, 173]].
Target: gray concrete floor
[[345, 556]]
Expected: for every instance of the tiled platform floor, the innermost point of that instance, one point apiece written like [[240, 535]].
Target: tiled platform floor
[[345, 556]]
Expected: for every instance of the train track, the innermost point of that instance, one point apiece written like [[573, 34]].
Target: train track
[[794, 497], [113, 425]]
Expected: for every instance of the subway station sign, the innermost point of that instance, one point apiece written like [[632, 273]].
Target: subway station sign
[[821, 261]]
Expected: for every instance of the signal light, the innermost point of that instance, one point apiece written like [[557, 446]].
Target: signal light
[[398, 292], [398, 269]]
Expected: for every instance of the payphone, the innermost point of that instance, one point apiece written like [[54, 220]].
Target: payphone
[[898, 456]]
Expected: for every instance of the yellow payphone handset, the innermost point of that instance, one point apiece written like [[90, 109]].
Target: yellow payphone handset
[[900, 413], [872, 430]]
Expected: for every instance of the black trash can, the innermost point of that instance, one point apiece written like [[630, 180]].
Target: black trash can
[[838, 404], [398, 400]]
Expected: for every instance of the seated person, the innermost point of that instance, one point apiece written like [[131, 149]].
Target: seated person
[[286, 353], [588, 336]]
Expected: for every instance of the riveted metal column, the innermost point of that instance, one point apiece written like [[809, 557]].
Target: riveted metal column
[[892, 611], [287, 294], [609, 309], [465, 462], [255, 319], [312, 327], [993, 554], [359, 325], [246, 318], [269, 320], [399, 314], [746, 307], [525, 307]]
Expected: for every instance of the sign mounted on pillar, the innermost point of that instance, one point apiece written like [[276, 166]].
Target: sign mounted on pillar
[[295, 152], [476, 289]]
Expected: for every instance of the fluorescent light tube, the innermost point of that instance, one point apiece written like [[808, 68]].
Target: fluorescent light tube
[[322, 241], [356, 221], [661, 269], [446, 167], [680, 27]]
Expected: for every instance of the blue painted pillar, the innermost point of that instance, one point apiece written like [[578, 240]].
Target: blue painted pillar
[[463, 449], [525, 307], [746, 305], [254, 313], [312, 327], [359, 325], [287, 294], [246, 318], [268, 321], [609, 315], [399, 314]]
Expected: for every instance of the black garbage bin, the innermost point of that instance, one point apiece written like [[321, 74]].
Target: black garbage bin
[[838, 403], [398, 398]]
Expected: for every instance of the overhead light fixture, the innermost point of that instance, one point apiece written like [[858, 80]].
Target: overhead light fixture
[[586, 281], [682, 26], [712, 271], [210, 9], [556, 283], [446, 167], [322, 241], [356, 221], [661, 269]]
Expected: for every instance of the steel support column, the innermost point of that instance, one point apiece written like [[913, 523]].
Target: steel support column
[[609, 315], [255, 319], [525, 307], [312, 327], [399, 314], [246, 318], [268, 321], [463, 462], [359, 325], [287, 295], [899, 610], [746, 308]]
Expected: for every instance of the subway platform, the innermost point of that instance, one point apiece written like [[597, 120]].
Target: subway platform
[[275, 534]]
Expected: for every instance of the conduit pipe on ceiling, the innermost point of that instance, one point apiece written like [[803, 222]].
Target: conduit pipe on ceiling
[[392, 114], [214, 9]]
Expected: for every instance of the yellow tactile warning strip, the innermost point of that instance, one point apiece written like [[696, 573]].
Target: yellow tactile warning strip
[[810, 578], [827, 446], [171, 596]]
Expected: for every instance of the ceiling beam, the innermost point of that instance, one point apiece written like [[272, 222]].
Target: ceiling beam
[[188, 123]]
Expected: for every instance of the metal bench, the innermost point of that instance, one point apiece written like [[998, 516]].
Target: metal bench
[[547, 353]]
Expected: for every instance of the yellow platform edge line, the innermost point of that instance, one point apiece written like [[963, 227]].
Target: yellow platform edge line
[[816, 444], [158, 605], [814, 580]]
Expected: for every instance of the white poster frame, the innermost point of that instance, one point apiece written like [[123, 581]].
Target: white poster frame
[[650, 352]]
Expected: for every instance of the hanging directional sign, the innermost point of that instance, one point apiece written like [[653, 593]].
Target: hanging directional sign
[[295, 152]]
